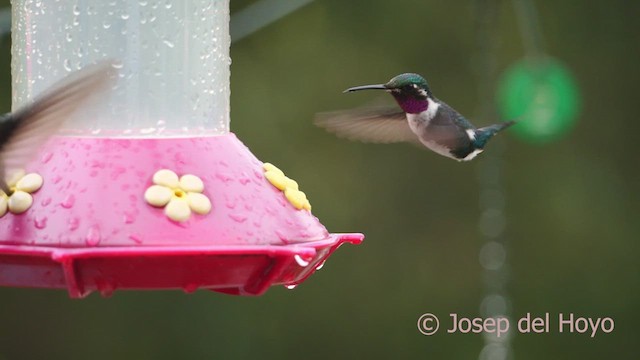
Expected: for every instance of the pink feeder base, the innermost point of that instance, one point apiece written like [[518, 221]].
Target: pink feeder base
[[236, 270], [89, 227]]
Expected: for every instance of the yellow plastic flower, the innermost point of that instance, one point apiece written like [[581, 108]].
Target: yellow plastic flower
[[290, 187], [21, 187], [178, 195]]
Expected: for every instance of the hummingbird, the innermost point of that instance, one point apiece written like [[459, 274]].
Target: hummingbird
[[25, 130], [422, 119]]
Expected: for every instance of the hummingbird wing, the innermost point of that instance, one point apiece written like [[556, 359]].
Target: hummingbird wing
[[25, 130], [449, 129], [376, 125]]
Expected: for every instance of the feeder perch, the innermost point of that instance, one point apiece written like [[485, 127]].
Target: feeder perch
[[147, 188]]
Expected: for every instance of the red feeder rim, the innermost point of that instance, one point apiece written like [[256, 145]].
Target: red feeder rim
[[236, 270]]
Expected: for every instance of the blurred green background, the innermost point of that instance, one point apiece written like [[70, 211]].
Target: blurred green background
[[572, 205]]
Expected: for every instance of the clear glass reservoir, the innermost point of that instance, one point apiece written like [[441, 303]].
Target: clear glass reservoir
[[171, 56]]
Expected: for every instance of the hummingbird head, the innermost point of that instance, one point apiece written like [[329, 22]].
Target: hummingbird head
[[411, 91]]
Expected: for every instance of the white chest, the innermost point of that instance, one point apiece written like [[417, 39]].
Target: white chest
[[418, 124]]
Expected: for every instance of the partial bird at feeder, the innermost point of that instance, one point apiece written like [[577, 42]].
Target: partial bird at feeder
[[25, 130], [422, 119]]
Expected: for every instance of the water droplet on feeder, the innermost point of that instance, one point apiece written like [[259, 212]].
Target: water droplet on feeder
[[105, 288], [119, 170], [66, 63], [117, 64], [73, 223], [230, 204], [281, 236], [40, 222], [190, 288], [136, 238], [128, 218], [302, 262], [224, 177], [238, 218], [46, 157], [68, 201], [291, 286], [93, 236], [320, 266]]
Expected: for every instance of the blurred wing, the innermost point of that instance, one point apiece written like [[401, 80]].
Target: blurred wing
[[25, 130], [377, 125], [449, 128]]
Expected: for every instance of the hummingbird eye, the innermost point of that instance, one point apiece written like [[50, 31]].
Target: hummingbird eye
[[410, 88]]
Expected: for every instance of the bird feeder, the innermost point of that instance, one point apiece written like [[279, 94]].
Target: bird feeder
[[148, 188]]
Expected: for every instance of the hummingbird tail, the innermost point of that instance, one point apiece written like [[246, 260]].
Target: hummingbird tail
[[485, 133]]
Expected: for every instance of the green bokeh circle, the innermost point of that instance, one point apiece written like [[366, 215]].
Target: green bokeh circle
[[542, 97]]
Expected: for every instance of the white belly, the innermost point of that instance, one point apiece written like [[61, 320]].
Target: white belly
[[417, 123], [439, 149]]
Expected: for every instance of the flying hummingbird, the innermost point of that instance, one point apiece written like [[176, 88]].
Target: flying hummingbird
[[421, 119], [23, 131]]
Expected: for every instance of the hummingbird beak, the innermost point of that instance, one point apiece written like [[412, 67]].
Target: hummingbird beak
[[367, 87]]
